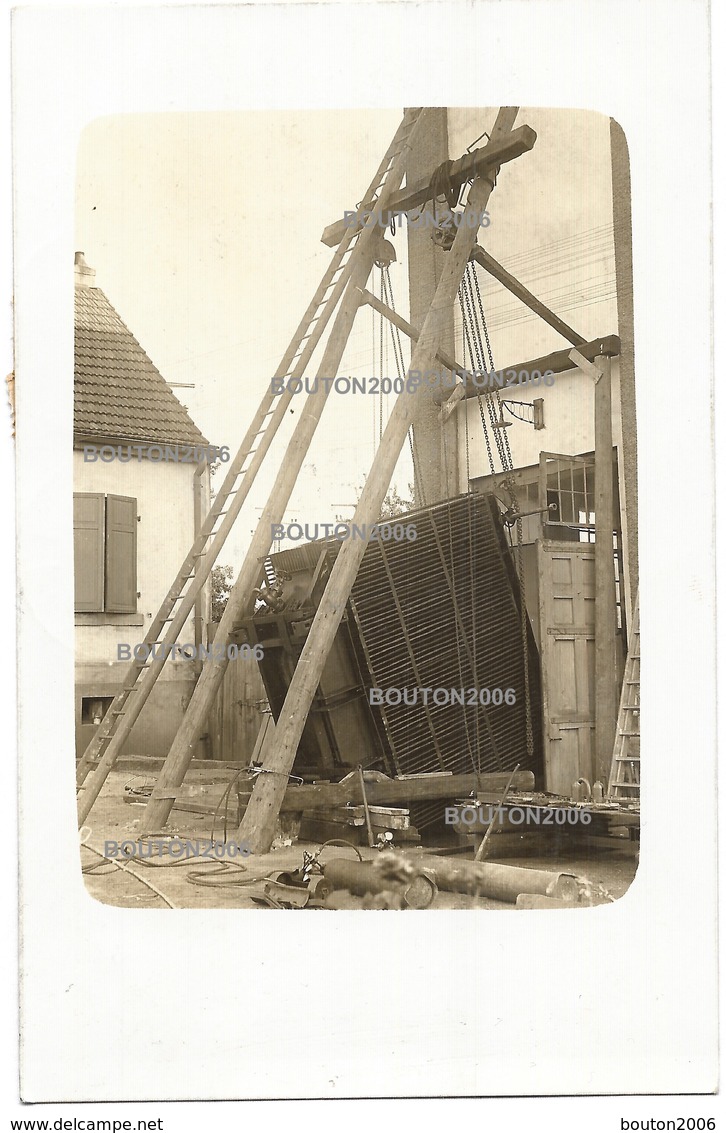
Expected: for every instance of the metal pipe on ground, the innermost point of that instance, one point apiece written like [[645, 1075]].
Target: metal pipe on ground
[[499, 882], [361, 878]]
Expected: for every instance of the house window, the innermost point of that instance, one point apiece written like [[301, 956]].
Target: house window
[[569, 484], [104, 547], [94, 708]]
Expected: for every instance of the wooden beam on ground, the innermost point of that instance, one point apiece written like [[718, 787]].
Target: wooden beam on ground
[[558, 362], [389, 792], [512, 284], [496, 153], [258, 824], [153, 763]]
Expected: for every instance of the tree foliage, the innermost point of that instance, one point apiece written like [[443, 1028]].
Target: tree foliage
[[221, 586]]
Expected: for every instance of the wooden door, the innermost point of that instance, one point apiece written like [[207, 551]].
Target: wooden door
[[567, 647]]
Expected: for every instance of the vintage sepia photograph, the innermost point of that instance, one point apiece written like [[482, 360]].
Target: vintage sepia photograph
[[353, 436], [355, 510]]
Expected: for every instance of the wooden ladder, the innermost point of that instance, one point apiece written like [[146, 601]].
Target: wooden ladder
[[105, 746], [625, 771]]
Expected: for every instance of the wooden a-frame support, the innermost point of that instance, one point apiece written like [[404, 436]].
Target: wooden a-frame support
[[258, 825], [182, 749]]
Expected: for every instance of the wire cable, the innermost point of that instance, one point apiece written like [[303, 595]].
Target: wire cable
[[125, 869]]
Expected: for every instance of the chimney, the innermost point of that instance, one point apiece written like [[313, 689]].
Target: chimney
[[84, 276]]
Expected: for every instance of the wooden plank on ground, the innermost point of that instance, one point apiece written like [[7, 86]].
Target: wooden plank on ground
[[311, 796]]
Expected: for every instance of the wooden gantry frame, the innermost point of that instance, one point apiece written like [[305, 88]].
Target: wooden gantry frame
[[346, 283]]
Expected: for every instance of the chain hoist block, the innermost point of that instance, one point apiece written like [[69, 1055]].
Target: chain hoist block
[[385, 254]]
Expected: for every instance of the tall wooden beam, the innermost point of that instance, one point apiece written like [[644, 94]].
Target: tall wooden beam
[[628, 450], [435, 449], [606, 672], [258, 824], [193, 723]]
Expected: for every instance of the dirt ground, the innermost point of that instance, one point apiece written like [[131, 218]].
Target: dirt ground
[[610, 862]]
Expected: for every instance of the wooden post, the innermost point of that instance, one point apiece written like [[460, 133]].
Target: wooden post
[[182, 749], [628, 450], [198, 486], [606, 673], [257, 828], [435, 444]]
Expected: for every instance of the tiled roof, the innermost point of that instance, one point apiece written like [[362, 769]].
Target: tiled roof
[[118, 391]]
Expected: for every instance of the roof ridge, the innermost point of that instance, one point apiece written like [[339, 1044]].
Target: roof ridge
[[119, 392]]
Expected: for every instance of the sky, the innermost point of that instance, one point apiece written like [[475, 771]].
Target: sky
[[204, 231]]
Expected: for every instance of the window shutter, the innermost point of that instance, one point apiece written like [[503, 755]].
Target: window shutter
[[88, 541], [120, 555]]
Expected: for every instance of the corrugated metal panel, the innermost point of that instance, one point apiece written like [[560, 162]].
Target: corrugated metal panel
[[443, 612]]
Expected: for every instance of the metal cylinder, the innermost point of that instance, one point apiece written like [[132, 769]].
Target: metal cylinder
[[500, 882], [360, 878]]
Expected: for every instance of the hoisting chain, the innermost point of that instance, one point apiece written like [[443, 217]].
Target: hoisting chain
[[388, 298], [473, 362], [479, 324]]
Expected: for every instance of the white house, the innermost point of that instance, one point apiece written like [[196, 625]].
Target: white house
[[134, 517]]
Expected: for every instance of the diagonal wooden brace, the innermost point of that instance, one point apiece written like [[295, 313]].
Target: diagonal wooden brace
[[586, 367]]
